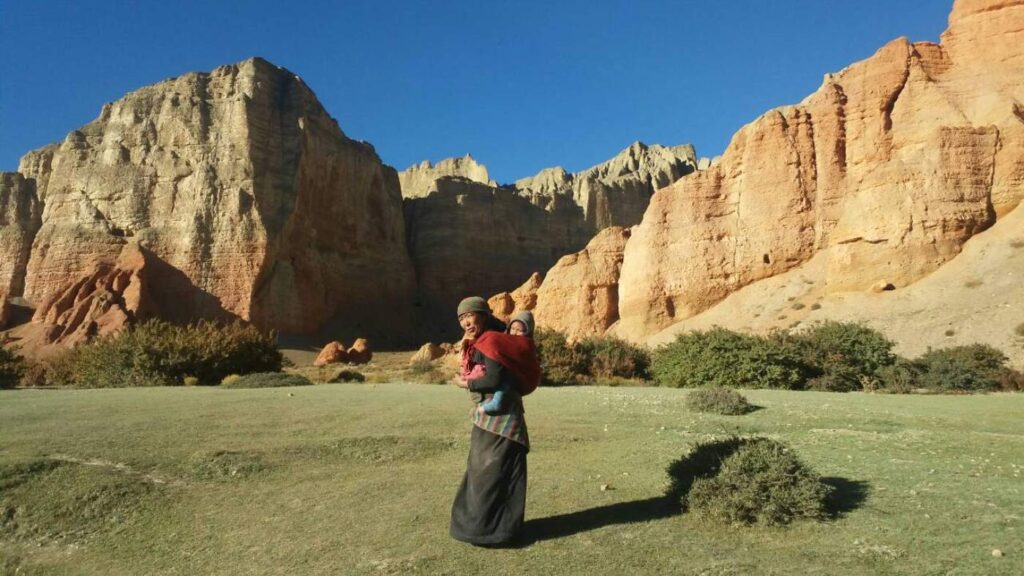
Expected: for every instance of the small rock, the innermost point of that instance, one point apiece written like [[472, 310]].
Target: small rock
[[997, 553], [290, 394], [606, 487]]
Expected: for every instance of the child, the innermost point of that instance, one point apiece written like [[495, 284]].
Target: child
[[521, 325]]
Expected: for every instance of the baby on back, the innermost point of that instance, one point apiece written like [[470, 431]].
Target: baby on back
[[520, 325]]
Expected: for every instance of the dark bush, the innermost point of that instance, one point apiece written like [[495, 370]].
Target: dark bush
[[267, 380], [972, 368], [749, 481], [899, 378], [157, 353], [561, 363], [12, 366], [608, 357], [836, 380], [843, 353], [724, 401], [349, 376], [720, 357]]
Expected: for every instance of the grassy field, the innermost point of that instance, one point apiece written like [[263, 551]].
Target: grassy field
[[358, 479]]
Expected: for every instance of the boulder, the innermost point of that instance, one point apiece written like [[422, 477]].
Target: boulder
[[360, 352], [427, 353], [332, 353], [505, 305]]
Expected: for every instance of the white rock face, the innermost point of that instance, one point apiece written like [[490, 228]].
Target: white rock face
[[421, 179], [241, 182]]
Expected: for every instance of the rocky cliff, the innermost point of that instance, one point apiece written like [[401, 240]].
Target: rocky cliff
[[885, 172], [468, 236], [241, 181], [615, 192], [20, 219], [420, 180]]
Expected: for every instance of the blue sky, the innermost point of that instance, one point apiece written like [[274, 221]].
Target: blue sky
[[520, 85]]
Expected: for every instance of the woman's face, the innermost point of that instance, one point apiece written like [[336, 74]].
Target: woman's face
[[472, 324]]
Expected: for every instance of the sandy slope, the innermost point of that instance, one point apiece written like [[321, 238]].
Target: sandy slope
[[976, 297]]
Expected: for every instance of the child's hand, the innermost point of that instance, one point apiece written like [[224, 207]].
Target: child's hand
[[460, 382]]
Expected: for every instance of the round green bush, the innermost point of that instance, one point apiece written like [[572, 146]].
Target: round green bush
[[972, 368], [561, 363], [844, 353], [608, 357], [723, 358], [267, 380], [12, 366], [900, 378], [760, 482], [724, 401]]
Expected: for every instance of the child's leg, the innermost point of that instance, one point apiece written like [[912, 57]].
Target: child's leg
[[493, 405]]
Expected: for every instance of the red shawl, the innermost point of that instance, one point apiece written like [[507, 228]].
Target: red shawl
[[515, 353]]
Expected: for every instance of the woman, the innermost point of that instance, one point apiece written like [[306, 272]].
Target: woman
[[491, 501]]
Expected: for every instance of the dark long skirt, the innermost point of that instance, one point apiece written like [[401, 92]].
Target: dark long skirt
[[491, 501]]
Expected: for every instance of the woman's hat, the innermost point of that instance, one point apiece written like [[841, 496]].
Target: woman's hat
[[473, 304]]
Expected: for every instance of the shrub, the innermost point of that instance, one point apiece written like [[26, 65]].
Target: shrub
[[421, 366], [561, 363], [190, 381], [12, 367], [751, 481], [835, 381], [899, 378], [972, 368], [724, 401], [608, 357], [349, 376], [55, 370], [844, 353], [720, 357], [229, 379], [268, 380], [158, 353]]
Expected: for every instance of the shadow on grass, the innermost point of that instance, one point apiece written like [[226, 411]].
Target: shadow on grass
[[846, 496], [703, 462], [563, 525]]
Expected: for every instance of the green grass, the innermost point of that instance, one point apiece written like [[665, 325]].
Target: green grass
[[358, 479]]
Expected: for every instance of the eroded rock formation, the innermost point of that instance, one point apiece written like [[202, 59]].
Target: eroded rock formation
[[505, 305], [468, 238], [103, 301], [579, 296], [616, 192], [20, 219], [421, 179], [241, 181], [887, 170]]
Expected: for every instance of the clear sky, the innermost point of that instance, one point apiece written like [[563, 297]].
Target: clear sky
[[520, 85]]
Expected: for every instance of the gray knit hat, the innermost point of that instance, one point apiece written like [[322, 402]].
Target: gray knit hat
[[473, 304], [527, 319]]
